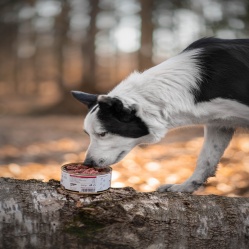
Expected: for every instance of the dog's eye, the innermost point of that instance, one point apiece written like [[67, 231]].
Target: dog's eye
[[102, 134]]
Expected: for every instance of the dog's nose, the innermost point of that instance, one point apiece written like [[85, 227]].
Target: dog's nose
[[89, 162]]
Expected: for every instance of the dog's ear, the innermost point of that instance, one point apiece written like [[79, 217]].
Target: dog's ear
[[116, 107], [86, 98]]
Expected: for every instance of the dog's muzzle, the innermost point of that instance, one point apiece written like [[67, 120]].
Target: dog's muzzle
[[89, 162]]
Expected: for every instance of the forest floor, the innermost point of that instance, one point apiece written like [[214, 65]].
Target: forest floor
[[36, 147]]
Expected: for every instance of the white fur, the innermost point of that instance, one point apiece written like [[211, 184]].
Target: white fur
[[161, 92]]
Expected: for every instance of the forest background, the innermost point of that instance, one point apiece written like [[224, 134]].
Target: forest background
[[50, 47]]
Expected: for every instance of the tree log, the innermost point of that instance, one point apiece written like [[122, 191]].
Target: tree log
[[36, 214]]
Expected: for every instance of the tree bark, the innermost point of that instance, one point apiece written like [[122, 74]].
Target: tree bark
[[34, 214]]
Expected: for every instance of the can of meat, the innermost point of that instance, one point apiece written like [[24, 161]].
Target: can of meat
[[79, 178]]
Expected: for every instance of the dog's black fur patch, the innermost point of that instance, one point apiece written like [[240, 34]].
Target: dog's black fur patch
[[116, 106], [224, 67], [120, 120]]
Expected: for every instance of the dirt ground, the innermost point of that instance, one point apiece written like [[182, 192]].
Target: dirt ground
[[36, 147]]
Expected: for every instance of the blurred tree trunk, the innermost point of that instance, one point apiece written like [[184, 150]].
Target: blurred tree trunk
[[34, 214], [61, 29], [89, 51], [15, 58], [12, 48], [146, 50], [35, 65], [66, 104], [8, 43]]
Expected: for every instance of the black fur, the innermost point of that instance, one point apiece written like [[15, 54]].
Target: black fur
[[224, 68], [120, 120], [86, 98], [116, 106]]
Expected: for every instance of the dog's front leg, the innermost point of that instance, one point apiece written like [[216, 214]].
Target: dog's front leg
[[215, 142]]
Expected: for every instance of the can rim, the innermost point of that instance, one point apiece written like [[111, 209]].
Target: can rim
[[63, 168]]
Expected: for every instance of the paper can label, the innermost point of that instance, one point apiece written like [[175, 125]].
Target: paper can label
[[85, 183]]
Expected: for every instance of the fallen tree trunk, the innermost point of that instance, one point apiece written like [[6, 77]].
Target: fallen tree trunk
[[34, 214]]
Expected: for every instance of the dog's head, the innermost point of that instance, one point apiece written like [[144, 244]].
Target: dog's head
[[114, 128]]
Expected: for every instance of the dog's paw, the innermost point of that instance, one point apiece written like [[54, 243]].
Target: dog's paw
[[164, 188], [175, 188]]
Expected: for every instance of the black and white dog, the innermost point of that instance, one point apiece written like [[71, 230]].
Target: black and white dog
[[207, 83]]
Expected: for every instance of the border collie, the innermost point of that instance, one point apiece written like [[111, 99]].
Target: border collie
[[206, 84]]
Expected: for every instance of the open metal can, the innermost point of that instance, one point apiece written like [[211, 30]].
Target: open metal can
[[85, 183]]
